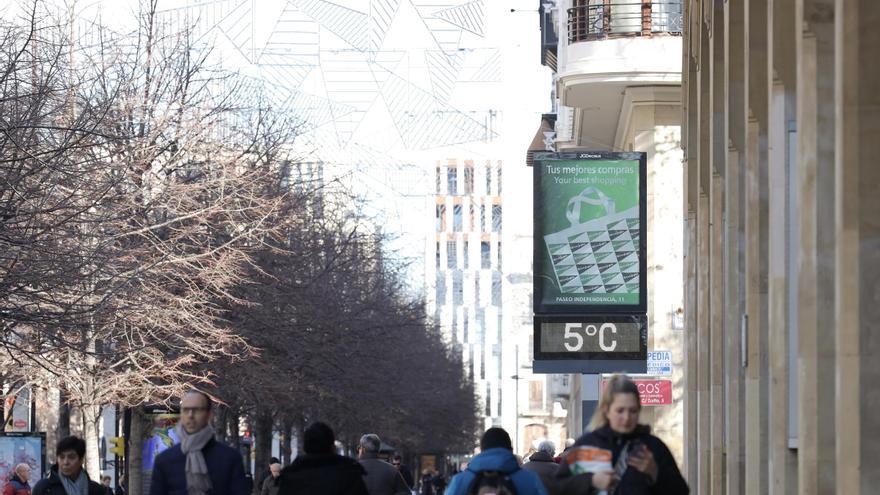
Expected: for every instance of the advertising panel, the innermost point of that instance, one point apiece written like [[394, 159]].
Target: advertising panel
[[651, 392], [17, 448], [589, 237], [160, 436]]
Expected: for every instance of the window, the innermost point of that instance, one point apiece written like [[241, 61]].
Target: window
[[468, 180], [451, 255], [498, 250], [496, 218], [536, 395], [438, 254], [440, 217], [471, 225], [452, 181], [464, 325], [465, 254], [456, 218], [481, 324], [441, 288], [457, 287], [484, 219], [498, 171], [488, 399], [496, 288], [485, 255], [483, 377], [439, 179], [477, 289], [488, 179]]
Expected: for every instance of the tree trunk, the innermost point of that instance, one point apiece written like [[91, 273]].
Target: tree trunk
[[91, 415], [221, 431], [48, 404], [135, 475], [262, 446]]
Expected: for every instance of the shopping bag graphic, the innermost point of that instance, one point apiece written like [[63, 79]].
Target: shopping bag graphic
[[600, 256]]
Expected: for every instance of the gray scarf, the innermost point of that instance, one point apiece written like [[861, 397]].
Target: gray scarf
[[79, 486], [197, 480]]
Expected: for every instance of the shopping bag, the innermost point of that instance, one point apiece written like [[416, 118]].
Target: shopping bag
[[599, 256]]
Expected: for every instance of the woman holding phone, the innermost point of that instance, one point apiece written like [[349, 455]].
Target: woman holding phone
[[640, 463]]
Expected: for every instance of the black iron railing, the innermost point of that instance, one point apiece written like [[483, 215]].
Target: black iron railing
[[600, 19]]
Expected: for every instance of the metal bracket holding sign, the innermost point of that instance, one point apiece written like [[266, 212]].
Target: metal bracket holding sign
[[590, 344]]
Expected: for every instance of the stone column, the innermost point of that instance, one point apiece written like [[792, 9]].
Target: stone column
[[857, 274]]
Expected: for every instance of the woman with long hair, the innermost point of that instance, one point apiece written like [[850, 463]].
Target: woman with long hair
[[636, 462]]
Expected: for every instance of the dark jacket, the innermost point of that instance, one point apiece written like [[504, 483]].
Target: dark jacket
[[501, 460], [633, 482], [330, 474], [53, 486], [381, 477], [541, 463], [270, 485], [15, 486], [225, 469]]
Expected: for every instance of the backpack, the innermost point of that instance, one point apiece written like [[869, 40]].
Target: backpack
[[492, 483]]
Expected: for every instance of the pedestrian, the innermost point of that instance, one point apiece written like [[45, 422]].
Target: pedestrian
[[18, 482], [542, 464], [496, 466], [381, 477], [405, 471], [267, 472], [105, 482], [439, 482], [270, 484], [120, 486], [427, 482], [321, 470], [67, 476], [199, 464], [641, 463]]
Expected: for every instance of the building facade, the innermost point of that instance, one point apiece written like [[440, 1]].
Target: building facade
[[481, 295], [781, 133], [617, 67]]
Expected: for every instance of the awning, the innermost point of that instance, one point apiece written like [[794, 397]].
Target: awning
[[543, 136]]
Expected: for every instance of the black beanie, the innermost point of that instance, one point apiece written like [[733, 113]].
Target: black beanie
[[318, 439], [494, 438]]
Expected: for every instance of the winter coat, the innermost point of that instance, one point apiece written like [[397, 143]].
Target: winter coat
[[381, 477], [16, 487], [53, 486], [270, 485], [669, 479], [541, 463], [225, 468], [501, 460], [330, 474]]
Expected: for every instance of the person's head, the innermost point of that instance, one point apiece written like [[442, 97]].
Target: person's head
[[547, 447], [274, 460], [105, 480], [275, 469], [195, 411], [23, 471], [618, 407], [318, 439], [70, 454], [396, 461], [494, 438], [369, 444]]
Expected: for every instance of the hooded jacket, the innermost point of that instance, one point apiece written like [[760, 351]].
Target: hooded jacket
[[15, 486], [53, 485], [330, 474], [669, 479], [501, 460]]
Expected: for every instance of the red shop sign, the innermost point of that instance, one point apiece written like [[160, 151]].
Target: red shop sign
[[652, 392]]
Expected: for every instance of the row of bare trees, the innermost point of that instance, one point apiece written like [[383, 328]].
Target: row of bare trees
[[152, 237]]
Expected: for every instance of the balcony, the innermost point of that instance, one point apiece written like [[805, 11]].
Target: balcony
[[609, 46], [603, 19]]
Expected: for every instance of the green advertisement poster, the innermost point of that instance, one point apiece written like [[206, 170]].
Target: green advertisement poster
[[588, 239]]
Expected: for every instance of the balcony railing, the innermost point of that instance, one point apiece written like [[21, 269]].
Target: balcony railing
[[601, 19]]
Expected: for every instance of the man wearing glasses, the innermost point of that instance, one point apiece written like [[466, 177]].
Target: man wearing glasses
[[198, 465], [405, 471]]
